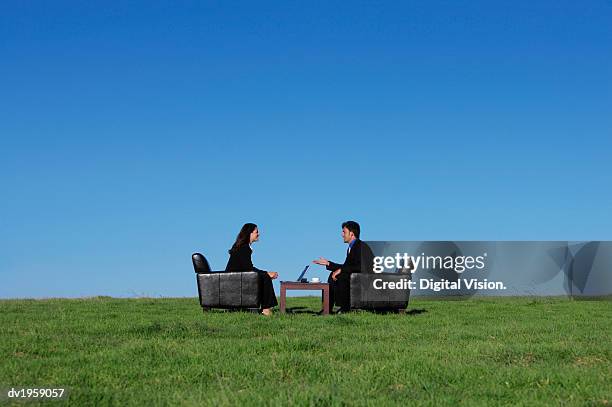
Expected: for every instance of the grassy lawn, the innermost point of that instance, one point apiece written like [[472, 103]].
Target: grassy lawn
[[525, 351]]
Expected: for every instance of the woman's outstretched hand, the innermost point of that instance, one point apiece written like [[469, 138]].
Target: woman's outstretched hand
[[273, 274]]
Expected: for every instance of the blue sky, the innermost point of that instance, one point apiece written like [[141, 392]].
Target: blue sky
[[134, 134]]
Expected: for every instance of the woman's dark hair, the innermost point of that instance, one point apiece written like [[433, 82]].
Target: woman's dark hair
[[352, 226], [243, 237]]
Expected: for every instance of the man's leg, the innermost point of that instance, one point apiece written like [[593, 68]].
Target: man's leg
[[343, 291], [332, 290]]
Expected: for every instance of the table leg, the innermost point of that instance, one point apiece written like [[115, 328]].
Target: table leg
[[325, 300], [283, 299]]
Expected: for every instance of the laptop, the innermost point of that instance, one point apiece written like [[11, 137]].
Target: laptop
[[299, 279]]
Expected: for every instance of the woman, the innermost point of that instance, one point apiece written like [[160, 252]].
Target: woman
[[240, 260]]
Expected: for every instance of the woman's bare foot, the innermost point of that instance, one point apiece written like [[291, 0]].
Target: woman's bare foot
[[267, 311]]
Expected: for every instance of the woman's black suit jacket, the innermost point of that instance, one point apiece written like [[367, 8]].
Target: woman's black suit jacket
[[240, 260]]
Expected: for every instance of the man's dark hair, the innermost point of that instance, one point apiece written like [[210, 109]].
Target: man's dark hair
[[352, 226]]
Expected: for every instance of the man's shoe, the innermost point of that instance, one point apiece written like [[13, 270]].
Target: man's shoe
[[343, 311]]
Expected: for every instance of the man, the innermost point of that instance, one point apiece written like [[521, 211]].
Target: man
[[359, 259]]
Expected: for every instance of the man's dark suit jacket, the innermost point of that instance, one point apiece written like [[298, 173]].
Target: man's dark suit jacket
[[359, 260]]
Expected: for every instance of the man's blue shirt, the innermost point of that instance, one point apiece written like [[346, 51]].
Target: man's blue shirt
[[351, 243]]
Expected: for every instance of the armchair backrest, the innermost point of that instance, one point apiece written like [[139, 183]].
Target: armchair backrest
[[200, 264]]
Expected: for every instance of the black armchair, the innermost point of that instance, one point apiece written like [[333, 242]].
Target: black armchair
[[229, 290], [365, 295]]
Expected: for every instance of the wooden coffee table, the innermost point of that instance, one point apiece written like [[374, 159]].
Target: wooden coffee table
[[294, 285]]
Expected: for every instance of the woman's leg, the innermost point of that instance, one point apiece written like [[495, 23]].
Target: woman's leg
[[268, 298]]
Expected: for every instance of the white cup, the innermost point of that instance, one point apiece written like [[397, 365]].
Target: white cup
[[314, 280]]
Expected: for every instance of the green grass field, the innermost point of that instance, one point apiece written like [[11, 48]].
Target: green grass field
[[520, 351]]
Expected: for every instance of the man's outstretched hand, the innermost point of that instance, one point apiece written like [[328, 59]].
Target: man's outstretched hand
[[273, 274], [322, 261]]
